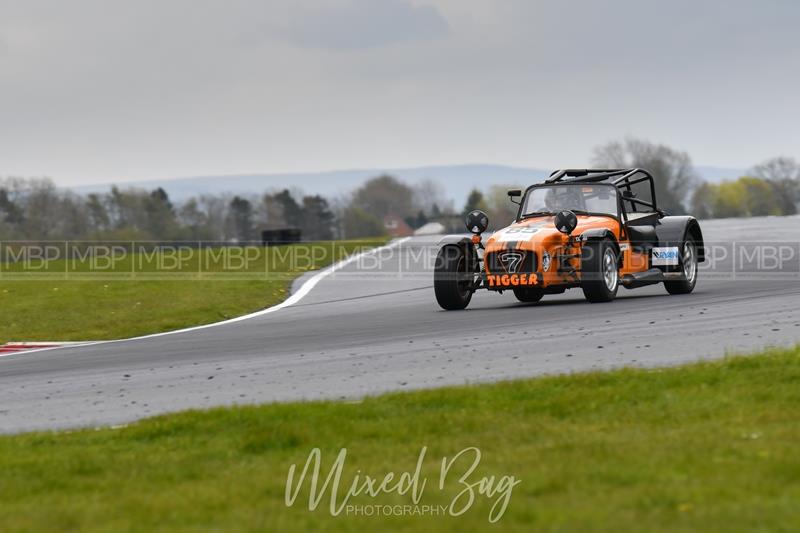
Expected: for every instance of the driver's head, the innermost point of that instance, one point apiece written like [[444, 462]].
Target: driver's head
[[565, 198]]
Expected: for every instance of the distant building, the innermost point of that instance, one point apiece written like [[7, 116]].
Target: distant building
[[431, 228], [396, 226]]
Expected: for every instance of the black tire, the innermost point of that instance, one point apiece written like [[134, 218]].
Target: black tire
[[689, 269], [453, 277], [600, 271], [528, 294]]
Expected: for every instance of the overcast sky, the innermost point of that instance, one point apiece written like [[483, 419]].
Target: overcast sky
[[96, 91]]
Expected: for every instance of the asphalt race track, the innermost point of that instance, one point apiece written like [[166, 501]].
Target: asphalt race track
[[365, 330]]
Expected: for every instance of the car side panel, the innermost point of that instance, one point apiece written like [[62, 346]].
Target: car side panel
[[672, 230]]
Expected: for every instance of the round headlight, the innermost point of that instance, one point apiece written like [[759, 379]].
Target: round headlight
[[565, 221], [477, 221]]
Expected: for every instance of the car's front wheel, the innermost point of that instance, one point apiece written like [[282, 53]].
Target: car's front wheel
[[453, 277], [599, 271]]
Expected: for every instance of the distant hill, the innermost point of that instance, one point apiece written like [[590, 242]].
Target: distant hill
[[456, 180]]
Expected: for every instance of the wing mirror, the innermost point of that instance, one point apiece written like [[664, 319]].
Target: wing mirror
[[513, 194], [477, 221], [565, 221]]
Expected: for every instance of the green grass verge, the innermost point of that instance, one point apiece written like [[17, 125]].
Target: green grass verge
[[137, 294], [704, 447]]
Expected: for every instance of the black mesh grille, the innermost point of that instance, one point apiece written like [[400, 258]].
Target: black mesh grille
[[496, 265]]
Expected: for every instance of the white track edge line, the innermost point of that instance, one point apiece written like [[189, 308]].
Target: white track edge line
[[295, 297]]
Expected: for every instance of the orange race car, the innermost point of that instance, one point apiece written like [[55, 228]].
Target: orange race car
[[588, 228]]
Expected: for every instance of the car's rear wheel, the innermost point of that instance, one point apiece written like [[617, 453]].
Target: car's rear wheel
[[600, 271], [453, 277], [689, 270], [528, 294]]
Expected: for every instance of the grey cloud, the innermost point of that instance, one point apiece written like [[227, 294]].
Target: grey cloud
[[362, 24], [100, 90]]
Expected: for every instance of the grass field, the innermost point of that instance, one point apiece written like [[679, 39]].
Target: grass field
[[704, 447], [122, 294]]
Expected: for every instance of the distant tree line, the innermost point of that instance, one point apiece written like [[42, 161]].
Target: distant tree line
[[772, 188], [35, 209]]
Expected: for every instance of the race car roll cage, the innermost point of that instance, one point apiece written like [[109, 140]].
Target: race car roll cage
[[623, 179]]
